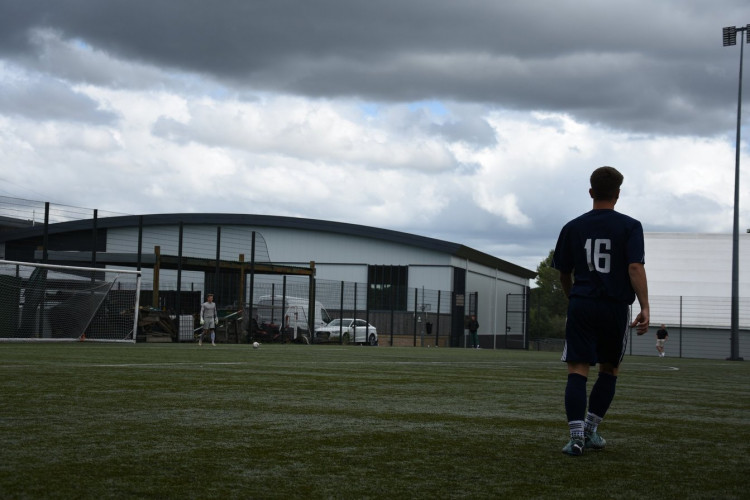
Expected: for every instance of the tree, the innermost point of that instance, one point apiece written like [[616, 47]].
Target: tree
[[548, 302]]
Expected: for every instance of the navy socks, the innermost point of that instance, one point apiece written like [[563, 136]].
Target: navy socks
[[575, 404], [599, 401], [602, 394]]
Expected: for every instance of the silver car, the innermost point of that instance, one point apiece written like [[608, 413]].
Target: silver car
[[348, 330]]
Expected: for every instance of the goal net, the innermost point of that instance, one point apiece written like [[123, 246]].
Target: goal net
[[51, 302]]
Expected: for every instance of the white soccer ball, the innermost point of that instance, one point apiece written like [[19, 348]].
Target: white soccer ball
[[255, 345]]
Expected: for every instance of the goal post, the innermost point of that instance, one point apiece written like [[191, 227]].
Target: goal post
[[47, 302]]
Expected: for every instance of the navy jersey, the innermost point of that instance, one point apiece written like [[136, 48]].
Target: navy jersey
[[597, 248]]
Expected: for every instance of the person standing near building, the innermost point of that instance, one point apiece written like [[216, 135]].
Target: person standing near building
[[662, 335], [473, 326], [601, 257], [209, 319]]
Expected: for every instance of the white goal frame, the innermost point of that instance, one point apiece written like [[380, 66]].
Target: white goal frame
[[73, 270]]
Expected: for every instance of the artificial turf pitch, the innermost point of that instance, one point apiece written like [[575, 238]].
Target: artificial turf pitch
[[88, 420]]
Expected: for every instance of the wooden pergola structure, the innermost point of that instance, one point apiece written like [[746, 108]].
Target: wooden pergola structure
[[243, 268]]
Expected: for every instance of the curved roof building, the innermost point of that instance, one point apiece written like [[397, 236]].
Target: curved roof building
[[430, 275]]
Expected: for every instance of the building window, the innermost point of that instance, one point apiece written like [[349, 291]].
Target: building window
[[387, 287]]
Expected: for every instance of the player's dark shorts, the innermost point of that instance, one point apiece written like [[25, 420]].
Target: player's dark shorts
[[595, 331]]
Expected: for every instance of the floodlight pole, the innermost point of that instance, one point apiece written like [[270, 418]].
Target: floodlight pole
[[730, 38]]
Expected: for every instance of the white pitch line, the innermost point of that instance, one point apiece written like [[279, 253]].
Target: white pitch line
[[653, 366], [148, 365]]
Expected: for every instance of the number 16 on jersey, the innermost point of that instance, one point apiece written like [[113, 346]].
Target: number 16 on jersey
[[597, 254]]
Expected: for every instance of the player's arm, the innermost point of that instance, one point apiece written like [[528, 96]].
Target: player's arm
[[637, 273], [566, 280]]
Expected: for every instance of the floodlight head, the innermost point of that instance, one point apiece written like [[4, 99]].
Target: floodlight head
[[730, 35]]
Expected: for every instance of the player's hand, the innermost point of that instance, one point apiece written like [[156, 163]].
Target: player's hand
[[202, 321], [641, 322]]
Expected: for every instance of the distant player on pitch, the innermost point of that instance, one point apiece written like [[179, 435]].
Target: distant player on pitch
[[662, 335], [600, 256], [209, 319]]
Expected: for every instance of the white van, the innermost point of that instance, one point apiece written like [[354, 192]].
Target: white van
[[295, 316]]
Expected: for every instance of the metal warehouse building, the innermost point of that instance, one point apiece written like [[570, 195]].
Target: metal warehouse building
[[690, 278], [372, 269], [695, 264]]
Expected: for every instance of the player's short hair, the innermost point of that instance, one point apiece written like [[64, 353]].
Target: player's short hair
[[605, 182]]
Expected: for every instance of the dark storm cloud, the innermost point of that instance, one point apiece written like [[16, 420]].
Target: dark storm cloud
[[638, 66]]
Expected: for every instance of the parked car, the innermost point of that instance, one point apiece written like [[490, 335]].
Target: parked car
[[348, 330]]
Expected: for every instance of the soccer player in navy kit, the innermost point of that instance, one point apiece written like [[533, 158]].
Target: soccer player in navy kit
[[600, 256]]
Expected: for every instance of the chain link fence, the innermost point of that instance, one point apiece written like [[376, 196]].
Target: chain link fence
[[425, 320], [699, 327]]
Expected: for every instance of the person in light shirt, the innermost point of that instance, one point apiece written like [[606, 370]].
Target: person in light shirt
[[209, 319]]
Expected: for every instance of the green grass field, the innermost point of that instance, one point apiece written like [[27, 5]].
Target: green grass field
[[86, 420]]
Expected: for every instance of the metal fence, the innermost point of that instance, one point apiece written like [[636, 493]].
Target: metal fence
[[696, 312], [424, 321], [31, 212], [685, 342], [699, 327], [415, 317]]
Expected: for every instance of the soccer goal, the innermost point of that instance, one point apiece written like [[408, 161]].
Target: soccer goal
[[58, 303]]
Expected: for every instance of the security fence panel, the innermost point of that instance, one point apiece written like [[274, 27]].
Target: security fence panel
[[699, 327], [686, 342], [423, 318], [346, 304], [515, 322], [435, 310], [470, 308], [700, 312]]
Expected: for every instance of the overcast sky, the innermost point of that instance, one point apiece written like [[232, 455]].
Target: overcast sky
[[473, 121]]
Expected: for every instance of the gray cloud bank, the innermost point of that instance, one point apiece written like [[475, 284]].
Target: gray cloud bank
[[636, 66]]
